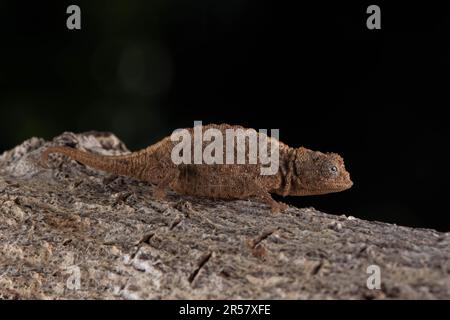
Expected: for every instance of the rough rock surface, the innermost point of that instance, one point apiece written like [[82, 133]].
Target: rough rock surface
[[71, 232]]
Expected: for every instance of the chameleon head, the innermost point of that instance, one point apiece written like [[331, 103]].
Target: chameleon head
[[319, 173]]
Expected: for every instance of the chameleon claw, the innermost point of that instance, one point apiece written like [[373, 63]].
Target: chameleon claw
[[278, 207], [159, 194]]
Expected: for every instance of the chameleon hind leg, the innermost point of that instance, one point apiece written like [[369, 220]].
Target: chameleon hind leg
[[163, 186]]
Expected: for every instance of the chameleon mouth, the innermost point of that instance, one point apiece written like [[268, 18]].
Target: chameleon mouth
[[337, 187], [341, 186], [345, 186]]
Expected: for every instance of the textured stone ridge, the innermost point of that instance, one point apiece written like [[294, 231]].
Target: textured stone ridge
[[67, 218]]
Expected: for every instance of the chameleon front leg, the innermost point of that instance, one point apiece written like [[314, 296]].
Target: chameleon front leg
[[257, 190], [266, 197]]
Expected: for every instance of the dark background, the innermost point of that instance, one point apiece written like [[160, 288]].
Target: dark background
[[141, 69]]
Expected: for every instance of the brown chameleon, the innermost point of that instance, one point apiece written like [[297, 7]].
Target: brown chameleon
[[301, 172]]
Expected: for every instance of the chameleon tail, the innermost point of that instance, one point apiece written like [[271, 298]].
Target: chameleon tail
[[122, 165]]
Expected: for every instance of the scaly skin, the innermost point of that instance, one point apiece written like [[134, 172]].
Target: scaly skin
[[301, 172]]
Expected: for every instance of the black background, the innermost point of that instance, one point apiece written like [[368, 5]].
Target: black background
[[144, 68]]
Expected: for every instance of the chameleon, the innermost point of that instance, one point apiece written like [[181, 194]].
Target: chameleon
[[301, 172]]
